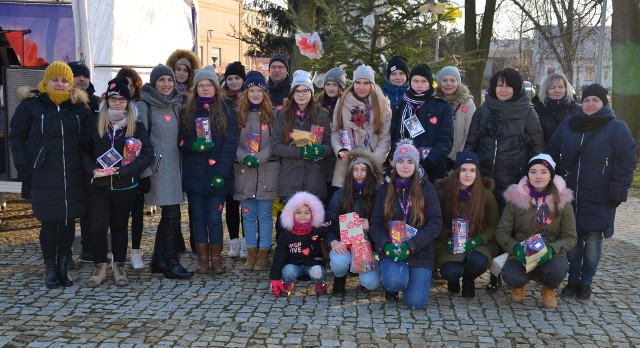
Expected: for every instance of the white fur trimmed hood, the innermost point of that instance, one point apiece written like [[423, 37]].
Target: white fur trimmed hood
[[518, 194], [296, 201]]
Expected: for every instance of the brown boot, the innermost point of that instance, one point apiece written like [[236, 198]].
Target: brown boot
[[263, 260], [215, 255], [517, 294], [549, 297], [251, 259], [202, 251]]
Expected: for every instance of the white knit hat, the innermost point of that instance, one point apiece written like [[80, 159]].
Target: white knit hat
[[301, 77], [364, 72]]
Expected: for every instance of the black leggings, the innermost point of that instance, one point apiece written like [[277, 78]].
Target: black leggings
[[232, 215], [137, 214], [56, 237]]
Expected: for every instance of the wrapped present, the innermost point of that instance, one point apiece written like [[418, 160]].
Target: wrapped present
[[253, 143], [346, 139], [424, 152], [316, 134], [301, 138], [534, 244], [132, 147], [351, 231], [459, 234], [398, 232], [203, 128], [532, 260], [362, 254]]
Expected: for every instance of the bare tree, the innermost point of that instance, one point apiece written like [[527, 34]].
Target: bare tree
[[477, 45]]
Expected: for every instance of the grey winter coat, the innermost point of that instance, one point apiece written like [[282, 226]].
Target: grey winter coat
[[165, 170], [262, 182]]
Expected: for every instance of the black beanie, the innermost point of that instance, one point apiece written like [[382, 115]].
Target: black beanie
[[597, 91], [398, 62], [279, 58], [422, 70], [119, 86], [80, 68], [235, 68]]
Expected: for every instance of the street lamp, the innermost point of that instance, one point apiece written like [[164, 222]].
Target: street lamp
[[209, 36]]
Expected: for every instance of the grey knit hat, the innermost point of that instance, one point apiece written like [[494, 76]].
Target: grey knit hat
[[449, 70], [301, 77], [405, 149], [364, 72], [206, 73], [338, 76], [160, 70]]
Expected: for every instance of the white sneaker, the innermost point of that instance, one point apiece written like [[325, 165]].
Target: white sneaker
[[136, 259], [234, 247], [243, 249]]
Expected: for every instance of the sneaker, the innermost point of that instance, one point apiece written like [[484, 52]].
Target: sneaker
[[98, 276], [120, 275], [86, 256], [136, 259], [234, 247], [321, 288], [243, 249]]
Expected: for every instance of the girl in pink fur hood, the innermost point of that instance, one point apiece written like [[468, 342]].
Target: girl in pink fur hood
[[299, 249], [539, 204]]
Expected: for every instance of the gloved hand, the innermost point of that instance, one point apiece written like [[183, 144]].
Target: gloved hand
[[250, 161], [518, 251], [201, 145], [547, 256], [319, 149], [217, 181], [450, 245], [403, 254], [308, 152], [391, 250], [473, 243], [277, 287]]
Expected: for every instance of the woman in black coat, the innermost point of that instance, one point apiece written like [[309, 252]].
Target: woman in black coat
[[555, 101], [45, 139], [600, 176]]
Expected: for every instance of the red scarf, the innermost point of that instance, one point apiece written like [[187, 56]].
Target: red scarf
[[300, 229]]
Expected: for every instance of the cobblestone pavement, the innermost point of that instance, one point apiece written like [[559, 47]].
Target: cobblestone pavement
[[236, 309]]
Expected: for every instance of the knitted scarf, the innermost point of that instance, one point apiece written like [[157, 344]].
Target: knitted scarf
[[300, 228], [539, 198], [464, 194], [413, 102], [56, 97], [583, 123]]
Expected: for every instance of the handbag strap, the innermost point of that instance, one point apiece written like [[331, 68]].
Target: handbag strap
[[579, 153]]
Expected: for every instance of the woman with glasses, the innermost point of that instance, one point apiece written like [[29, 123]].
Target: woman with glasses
[[117, 150], [208, 141], [301, 167], [361, 120]]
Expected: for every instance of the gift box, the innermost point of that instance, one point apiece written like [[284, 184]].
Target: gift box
[[301, 138], [424, 152], [400, 232], [351, 231], [203, 128], [532, 260], [316, 134], [346, 139], [362, 254], [253, 143], [132, 147], [459, 234], [534, 244]]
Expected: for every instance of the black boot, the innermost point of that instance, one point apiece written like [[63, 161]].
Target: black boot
[[571, 290], [584, 292], [468, 287], [391, 296], [157, 261], [453, 286], [173, 269], [339, 285], [50, 276], [494, 283], [62, 270]]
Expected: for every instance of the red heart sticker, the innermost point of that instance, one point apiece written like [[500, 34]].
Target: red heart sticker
[[212, 162], [314, 238], [167, 118], [305, 251], [220, 207], [245, 210], [433, 120], [404, 150], [181, 143], [112, 86], [464, 108]]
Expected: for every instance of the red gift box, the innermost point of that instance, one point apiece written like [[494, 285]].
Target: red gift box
[[132, 147], [316, 134], [362, 254], [253, 143]]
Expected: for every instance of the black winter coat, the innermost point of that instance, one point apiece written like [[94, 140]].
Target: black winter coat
[[603, 174], [279, 92], [505, 135], [422, 245], [552, 112], [198, 168], [94, 146], [305, 250], [53, 168]]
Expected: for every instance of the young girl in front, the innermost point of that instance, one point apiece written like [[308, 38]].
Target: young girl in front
[[408, 199], [357, 195], [539, 203], [299, 249], [465, 197], [256, 169]]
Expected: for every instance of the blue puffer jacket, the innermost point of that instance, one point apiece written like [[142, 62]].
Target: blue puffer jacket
[[603, 174], [394, 93], [435, 117], [199, 168]]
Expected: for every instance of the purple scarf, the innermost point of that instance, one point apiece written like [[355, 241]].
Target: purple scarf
[[464, 194], [402, 184]]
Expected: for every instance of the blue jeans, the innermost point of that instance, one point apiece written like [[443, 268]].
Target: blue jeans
[[340, 264], [584, 257], [254, 212], [552, 272], [291, 272], [473, 266], [206, 217], [414, 282]]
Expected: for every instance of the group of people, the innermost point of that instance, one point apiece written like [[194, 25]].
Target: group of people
[[414, 154]]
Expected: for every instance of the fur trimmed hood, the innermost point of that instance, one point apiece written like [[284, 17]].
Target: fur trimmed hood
[[190, 56], [296, 201], [78, 96], [518, 194], [462, 94], [377, 167], [488, 183]]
